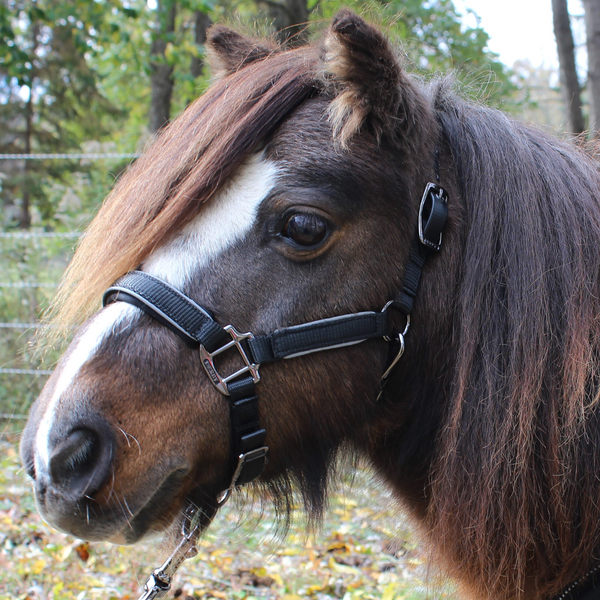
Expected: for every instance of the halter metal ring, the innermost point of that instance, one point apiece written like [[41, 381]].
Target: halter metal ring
[[220, 382], [387, 338]]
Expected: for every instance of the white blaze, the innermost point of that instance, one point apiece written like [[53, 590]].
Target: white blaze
[[99, 327], [227, 218]]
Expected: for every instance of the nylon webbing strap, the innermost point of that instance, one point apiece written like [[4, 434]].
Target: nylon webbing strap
[[412, 276], [197, 327], [168, 306], [320, 335], [433, 213], [247, 435], [586, 587], [189, 320]]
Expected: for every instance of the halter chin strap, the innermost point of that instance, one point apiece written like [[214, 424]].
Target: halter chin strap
[[197, 328]]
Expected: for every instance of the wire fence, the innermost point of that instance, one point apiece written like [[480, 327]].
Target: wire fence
[[31, 263], [24, 256], [70, 156], [27, 235], [20, 285], [25, 371]]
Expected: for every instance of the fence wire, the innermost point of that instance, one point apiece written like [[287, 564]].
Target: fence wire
[[8, 373], [70, 156], [26, 284], [10, 416], [17, 325], [27, 235], [25, 371]]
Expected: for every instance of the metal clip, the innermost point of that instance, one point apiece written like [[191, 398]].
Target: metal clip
[[208, 363], [156, 586], [262, 452], [159, 582], [398, 339]]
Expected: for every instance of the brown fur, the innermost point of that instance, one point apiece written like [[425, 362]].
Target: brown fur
[[369, 86], [490, 427], [228, 51]]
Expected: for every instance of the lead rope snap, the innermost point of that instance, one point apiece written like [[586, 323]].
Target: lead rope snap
[[159, 581]]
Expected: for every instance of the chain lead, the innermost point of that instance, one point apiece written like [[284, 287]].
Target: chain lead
[[159, 582]]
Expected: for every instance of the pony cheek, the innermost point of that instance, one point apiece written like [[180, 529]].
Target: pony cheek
[[308, 404]]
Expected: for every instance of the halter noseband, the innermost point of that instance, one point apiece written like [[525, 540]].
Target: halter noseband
[[197, 328]]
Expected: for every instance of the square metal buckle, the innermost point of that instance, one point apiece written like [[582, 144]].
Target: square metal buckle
[[208, 362]]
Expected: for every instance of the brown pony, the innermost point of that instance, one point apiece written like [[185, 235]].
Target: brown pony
[[290, 192]]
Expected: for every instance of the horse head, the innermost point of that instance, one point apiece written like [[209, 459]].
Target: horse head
[[289, 194]]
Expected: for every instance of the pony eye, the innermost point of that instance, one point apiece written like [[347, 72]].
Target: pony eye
[[305, 229]]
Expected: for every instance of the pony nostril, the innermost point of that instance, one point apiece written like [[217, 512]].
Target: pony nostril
[[78, 463]]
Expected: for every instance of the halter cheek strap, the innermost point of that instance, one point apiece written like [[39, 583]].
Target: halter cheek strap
[[198, 329]]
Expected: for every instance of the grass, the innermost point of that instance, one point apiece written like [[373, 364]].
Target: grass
[[364, 550]]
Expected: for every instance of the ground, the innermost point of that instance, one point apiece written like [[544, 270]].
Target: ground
[[364, 550]]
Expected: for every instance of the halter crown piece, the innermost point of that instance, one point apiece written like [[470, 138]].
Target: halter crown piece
[[195, 325]]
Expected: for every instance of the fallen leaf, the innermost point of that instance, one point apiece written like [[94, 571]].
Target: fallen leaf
[[83, 551]]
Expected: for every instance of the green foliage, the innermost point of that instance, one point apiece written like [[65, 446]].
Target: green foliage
[[435, 41], [49, 95]]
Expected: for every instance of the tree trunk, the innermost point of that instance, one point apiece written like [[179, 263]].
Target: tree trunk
[[568, 72], [161, 77], [25, 212], [201, 24], [592, 30], [290, 18]]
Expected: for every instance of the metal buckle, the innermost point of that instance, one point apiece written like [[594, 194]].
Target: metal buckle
[[387, 338], [208, 363], [242, 460], [440, 193]]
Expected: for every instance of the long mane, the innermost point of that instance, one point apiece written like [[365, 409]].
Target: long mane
[[181, 170], [516, 486]]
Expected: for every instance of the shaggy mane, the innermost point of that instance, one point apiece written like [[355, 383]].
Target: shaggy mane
[[180, 171], [516, 486]]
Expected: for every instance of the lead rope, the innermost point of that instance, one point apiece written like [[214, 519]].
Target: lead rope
[[159, 581], [568, 593]]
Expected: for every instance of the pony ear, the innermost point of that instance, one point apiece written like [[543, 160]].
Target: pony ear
[[228, 51], [368, 82]]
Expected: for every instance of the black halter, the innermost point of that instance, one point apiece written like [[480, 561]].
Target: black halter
[[197, 328]]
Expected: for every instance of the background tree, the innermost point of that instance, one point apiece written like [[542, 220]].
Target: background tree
[[51, 100], [289, 19], [568, 70], [161, 69], [66, 67], [592, 29]]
